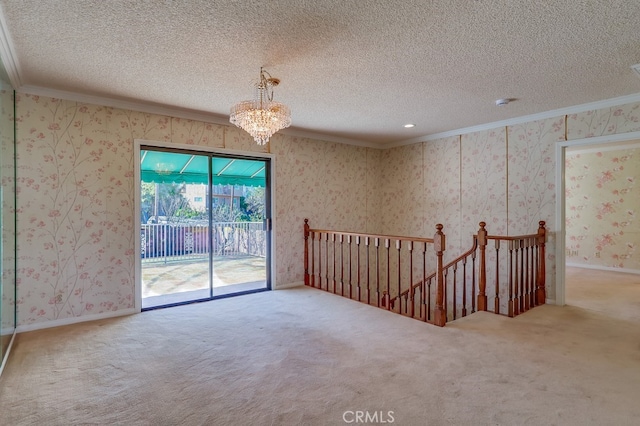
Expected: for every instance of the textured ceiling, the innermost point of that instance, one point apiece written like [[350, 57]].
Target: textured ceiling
[[357, 70]]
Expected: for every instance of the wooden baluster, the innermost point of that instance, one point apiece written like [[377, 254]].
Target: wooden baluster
[[428, 291], [358, 268], [521, 260], [445, 274], [313, 259], [541, 292], [326, 252], [510, 308], [333, 240], [496, 306], [387, 298], [440, 314], [454, 305], [341, 241], [366, 244], [516, 282], [350, 267], [320, 260], [464, 287], [473, 281], [376, 242], [398, 246], [306, 252], [482, 242], [528, 292], [535, 269], [411, 300], [423, 286], [532, 271]]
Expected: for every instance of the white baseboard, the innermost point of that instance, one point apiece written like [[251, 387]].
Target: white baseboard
[[604, 268], [6, 354], [74, 320], [550, 301], [289, 285]]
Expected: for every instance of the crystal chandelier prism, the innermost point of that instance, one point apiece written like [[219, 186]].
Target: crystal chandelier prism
[[261, 117]]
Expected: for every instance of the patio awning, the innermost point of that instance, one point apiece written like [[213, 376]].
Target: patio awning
[[169, 167]]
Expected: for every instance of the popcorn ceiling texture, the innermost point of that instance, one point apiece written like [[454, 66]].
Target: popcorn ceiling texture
[[353, 72]]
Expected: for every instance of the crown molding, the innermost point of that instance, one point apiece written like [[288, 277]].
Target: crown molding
[[292, 131], [607, 103], [7, 54], [123, 104], [176, 112]]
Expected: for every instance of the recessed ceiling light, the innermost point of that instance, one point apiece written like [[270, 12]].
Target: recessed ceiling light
[[502, 102], [636, 68], [409, 125]]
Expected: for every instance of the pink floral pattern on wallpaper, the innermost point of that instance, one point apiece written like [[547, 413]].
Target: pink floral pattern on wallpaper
[[606, 121], [531, 177], [76, 202], [442, 192], [602, 200], [532, 174], [324, 182], [374, 183], [403, 191], [76, 179], [484, 182], [75, 198], [191, 132]]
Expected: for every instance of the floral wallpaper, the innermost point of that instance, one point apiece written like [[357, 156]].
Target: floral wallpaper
[[531, 177], [607, 121], [76, 179], [75, 198], [442, 192], [602, 201], [333, 185], [402, 192], [484, 182]]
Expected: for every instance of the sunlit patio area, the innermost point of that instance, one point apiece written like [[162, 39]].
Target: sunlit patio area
[[177, 281]]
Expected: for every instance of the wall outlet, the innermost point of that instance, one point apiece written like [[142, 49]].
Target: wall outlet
[[597, 254]]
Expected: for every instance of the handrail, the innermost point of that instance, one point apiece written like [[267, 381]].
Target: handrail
[[380, 236], [510, 238], [447, 266], [347, 263]]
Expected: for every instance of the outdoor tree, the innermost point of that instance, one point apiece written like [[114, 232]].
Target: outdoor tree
[[165, 199], [253, 204]]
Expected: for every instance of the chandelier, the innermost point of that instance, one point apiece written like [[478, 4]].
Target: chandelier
[[261, 117]]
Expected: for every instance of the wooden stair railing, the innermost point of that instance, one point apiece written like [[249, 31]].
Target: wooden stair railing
[[518, 275], [370, 268]]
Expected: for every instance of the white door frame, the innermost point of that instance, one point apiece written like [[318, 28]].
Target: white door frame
[[137, 143], [561, 202]]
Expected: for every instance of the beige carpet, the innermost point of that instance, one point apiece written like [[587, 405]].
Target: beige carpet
[[305, 357]]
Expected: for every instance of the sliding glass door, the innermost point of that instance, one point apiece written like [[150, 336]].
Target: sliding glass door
[[204, 230]]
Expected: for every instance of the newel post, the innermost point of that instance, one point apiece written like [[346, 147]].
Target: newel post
[[482, 275], [306, 252], [440, 314], [541, 292]]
